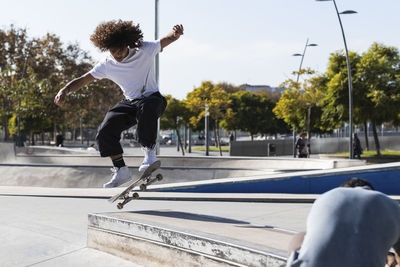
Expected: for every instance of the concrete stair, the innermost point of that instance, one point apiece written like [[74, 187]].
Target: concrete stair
[[170, 238]]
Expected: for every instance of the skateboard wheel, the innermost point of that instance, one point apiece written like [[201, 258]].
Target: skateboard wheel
[[143, 187], [120, 206], [159, 177], [135, 195]]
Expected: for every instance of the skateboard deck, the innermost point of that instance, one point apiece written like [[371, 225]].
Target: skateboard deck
[[145, 179]]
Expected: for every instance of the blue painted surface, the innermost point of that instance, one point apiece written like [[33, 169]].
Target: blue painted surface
[[387, 181]]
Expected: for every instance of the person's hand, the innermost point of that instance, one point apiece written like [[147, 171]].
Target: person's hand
[[172, 36], [177, 31], [60, 97]]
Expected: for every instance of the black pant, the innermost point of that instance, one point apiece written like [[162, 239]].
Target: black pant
[[143, 111]]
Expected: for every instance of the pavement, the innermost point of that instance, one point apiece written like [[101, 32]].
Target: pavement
[[52, 231], [45, 226]]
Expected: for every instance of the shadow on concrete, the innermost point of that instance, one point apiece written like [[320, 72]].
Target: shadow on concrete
[[256, 226], [189, 216]]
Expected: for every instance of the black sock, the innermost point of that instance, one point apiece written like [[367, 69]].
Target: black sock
[[119, 162]]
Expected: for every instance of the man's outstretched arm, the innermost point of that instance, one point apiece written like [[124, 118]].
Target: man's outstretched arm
[[171, 37], [73, 86]]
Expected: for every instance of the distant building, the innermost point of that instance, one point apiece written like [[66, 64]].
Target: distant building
[[254, 88]]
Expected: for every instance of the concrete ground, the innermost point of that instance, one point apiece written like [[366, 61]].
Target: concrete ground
[[52, 231]]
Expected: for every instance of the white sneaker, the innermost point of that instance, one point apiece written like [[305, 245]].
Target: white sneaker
[[120, 176], [150, 156]]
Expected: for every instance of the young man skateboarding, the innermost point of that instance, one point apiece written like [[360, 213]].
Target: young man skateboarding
[[130, 64]]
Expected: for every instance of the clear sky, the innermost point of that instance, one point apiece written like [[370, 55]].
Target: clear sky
[[235, 41]]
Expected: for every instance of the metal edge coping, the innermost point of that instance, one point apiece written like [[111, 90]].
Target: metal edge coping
[[163, 228]]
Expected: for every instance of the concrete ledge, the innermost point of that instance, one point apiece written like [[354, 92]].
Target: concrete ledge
[[147, 252], [192, 237], [193, 161], [66, 156], [87, 176], [81, 176]]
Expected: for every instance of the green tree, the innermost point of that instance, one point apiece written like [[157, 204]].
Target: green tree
[[7, 91], [33, 70], [218, 103], [299, 104], [12, 44], [274, 96], [171, 119], [229, 88], [279, 124], [34, 115], [378, 73], [251, 113], [335, 101], [376, 91], [291, 108]]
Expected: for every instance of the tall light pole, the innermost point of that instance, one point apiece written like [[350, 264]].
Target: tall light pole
[[297, 80], [206, 118], [19, 141], [348, 74], [302, 57], [156, 38], [157, 71]]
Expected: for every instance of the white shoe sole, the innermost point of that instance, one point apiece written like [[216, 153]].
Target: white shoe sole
[[118, 183], [143, 167]]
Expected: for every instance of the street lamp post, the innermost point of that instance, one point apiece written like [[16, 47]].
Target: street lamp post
[[157, 71], [178, 118], [348, 74], [156, 38], [297, 80], [19, 141], [302, 57], [207, 115]]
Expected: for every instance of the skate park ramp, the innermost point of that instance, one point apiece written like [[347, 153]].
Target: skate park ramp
[[162, 237], [383, 177], [171, 234], [46, 166]]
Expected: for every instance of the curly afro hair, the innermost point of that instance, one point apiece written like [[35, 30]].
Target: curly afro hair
[[117, 34]]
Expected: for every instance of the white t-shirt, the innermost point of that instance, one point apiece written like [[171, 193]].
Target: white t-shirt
[[349, 227], [133, 72]]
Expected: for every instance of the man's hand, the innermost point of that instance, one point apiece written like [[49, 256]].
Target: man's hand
[[177, 31], [174, 35], [73, 86], [60, 97]]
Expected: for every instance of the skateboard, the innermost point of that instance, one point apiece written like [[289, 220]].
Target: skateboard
[[146, 179]]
